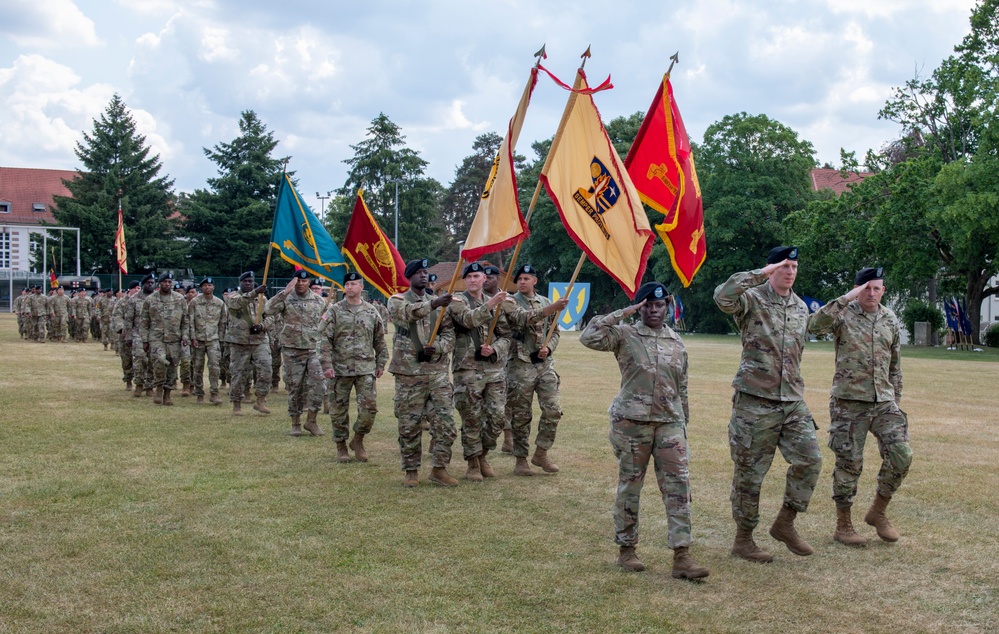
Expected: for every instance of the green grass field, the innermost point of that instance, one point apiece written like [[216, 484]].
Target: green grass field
[[117, 515]]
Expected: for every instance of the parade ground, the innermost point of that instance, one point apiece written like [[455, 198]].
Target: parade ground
[[118, 515]]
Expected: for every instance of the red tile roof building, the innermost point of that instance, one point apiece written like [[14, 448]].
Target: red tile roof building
[[829, 178], [26, 201]]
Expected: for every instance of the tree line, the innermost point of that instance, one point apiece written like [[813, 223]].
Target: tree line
[[929, 213]]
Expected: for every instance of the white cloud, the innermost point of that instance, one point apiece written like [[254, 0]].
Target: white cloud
[[214, 47], [47, 24]]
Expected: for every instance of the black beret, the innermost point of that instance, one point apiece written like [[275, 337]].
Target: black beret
[[491, 270], [525, 268], [316, 282], [867, 274], [149, 278], [779, 254], [432, 278], [133, 284], [207, 280], [471, 267], [246, 276], [415, 266], [165, 276], [300, 274], [353, 277], [652, 291]]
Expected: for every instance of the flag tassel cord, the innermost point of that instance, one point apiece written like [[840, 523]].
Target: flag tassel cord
[[450, 287], [568, 293], [270, 249]]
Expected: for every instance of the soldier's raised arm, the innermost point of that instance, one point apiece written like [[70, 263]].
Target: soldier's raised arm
[[603, 333], [827, 319], [729, 294]]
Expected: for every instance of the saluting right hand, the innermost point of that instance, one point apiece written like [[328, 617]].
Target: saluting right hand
[[855, 293], [770, 268], [631, 310]]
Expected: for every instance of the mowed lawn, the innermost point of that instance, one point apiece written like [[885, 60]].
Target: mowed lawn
[[117, 515]]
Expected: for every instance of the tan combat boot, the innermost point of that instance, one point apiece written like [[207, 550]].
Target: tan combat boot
[[484, 467], [357, 446], [522, 468], [541, 459], [629, 560], [783, 531], [215, 400], [296, 425], [261, 405], [201, 399], [410, 480], [166, 396], [473, 473], [440, 476], [158, 396], [138, 391], [342, 455], [237, 408], [684, 566], [149, 391], [311, 426], [507, 441], [186, 391], [746, 548], [844, 529], [128, 386], [876, 517]]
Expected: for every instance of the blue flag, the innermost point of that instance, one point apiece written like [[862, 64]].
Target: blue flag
[[812, 303], [965, 322], [301, 239], [950, 312]]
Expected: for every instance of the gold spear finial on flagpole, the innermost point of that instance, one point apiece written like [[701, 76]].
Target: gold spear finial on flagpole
[[586, 55], [673, 60], [541, 55]]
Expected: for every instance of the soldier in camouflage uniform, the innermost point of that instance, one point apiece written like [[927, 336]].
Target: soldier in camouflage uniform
[[59, 308], [301, 310], [164, 328], [38, 304], [648, 419], [249, 348], [142, 370], [768, 408], [421, 381], [273, 324], [208, 317], [104, 307], [21, 309], [353, 355], [186, 372], [866, 392], [124, 335], [82, 309]]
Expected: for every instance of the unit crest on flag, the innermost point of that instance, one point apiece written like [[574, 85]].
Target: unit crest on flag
[[604, 192]]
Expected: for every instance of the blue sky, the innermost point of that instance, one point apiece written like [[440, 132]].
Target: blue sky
[[317, 73]]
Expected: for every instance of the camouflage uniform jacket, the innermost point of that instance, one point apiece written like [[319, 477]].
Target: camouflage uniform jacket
[[17, 306], [301, 315], [82, 307], [39, 305], [241, 313], [207, 318], [104, 306], [414, 320], [471, 320], [773, 336], [59, 305], [352, 339], [118, 315], [529, 338], [653, 366], [868, 351], [133, 312], [164, 318]]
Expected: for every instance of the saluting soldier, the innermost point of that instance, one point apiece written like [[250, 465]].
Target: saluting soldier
[[422, 385], [208, 317], [249, 349], [301, 310], [866, 392], [164, 328], [768, 408], [649, 418], [353, 355]]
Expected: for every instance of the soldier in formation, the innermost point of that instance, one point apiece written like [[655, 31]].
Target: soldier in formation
[[208, 322], [124, 334], [142, 370], [59, 309], [21, 309], [164, 328], [353, 355], [648, 419], [38, 310], [768, 408], [866, 393], [249, 348]]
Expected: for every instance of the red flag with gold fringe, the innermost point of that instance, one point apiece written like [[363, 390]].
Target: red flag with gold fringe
[[372, 254]]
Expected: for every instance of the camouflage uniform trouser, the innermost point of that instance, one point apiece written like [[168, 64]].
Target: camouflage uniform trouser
[[164, 357], [142, 369], [60, 327], [303, 374], [209, 349], [125, 352], [851, 420], [106, 338], [758, 427], [244, 359], [522, 381], [185, 365], [367, 405], [37, 328], [416, 395], [480, 398], [634, 442], [276, 365], [225, 365], [20, 325], [82, 323]]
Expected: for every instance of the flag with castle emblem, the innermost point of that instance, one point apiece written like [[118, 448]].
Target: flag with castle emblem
[[661, 165], [597, 202], [301, 239], [372, 254]]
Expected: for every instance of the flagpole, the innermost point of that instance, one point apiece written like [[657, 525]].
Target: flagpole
[[270, 249], [568, 293], [450, 287]]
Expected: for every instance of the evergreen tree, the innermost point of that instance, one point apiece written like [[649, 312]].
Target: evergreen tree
[[383, 165], [229, 223], [117, 166]]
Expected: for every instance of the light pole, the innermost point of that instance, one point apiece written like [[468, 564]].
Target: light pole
[[322, 205], [396, 181]]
